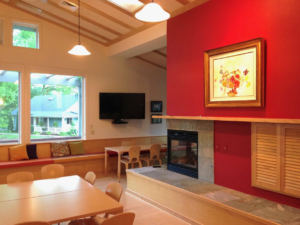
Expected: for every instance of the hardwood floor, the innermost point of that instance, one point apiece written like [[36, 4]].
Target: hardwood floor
[[145, 214]]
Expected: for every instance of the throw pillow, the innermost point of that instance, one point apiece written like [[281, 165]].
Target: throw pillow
[[31, 151], [76, 148], [43, 151], [4, 154], [60, 149], [18, 153]]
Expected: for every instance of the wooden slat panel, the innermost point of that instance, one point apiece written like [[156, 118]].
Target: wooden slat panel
[[291, 154], [265, 157]]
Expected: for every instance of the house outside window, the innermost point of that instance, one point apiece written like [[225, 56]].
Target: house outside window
[[25, 35], [69, 120], [9, 102], [56, 107]]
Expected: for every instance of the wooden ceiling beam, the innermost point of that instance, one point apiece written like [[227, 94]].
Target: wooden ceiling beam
[[131, 33], [160, 53], [183, 2], [50, 21], [152, 63], [49, 2], [63, 20], [105, 15], [117, 8]]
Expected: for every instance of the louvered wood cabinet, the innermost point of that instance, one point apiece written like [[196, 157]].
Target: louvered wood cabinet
[[276, 157]]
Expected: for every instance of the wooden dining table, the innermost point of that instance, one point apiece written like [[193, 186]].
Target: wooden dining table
[[123, 149], [53, 200]]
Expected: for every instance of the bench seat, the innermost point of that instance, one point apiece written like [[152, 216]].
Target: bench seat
[[22, 163]]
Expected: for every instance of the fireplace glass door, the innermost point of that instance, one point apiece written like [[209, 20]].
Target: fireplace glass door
[[184, 153]]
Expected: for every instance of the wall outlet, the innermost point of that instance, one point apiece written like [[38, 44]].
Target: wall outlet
[[217, 147], [225, 148], [92, 132]]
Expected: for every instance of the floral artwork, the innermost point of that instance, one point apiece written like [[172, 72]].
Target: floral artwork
[[233, 75]]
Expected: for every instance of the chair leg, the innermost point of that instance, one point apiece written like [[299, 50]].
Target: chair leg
[[148, 162], [140, 164], [126, 165], [159, 160]]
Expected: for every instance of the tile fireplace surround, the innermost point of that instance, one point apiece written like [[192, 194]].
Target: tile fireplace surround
[[205, 131]]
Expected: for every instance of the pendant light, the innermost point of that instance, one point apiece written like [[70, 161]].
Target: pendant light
[[152, 12], [79, 49]]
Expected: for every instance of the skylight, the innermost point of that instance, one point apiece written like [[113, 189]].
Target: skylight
[[128, 5]]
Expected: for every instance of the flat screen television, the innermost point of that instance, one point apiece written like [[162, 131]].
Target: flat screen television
[[118, 106]]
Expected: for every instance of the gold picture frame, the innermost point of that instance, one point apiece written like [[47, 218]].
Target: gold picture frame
[[234, 75]]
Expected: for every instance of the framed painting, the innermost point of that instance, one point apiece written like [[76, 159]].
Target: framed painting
[[156, 106], [234, 75], [156, 120]]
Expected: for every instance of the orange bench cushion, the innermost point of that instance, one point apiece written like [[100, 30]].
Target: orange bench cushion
[[31, 162]]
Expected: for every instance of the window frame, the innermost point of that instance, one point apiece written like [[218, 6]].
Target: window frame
[[66, 72], [37, 26], [3, 31], [20, 69]]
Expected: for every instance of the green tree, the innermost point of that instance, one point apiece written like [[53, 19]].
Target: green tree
[[55, 124], [24, 38], [45, 89], [9, 94]]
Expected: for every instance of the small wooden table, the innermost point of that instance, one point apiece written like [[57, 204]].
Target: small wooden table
[[53, 200], [122, 149]]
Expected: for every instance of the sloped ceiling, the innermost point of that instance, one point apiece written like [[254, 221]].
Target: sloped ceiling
[[101, 21]]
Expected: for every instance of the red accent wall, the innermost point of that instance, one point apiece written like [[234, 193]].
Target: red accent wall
[[219, 23]]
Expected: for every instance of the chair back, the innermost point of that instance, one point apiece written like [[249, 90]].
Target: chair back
[[155, 151], [114, 190], [123, 218], [90, 177], [34, 223], [19, 177], [134, 154], [52, 171], [128, 143]]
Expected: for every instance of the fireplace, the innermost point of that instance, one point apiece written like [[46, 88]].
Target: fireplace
[[183, 152]]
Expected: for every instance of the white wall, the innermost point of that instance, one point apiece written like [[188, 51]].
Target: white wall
[[103, 74]]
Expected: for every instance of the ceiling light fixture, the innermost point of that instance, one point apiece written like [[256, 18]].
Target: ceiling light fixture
[[79, 49], [152, 12]]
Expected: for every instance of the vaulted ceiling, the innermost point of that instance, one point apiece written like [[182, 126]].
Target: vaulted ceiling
[[101, 20]]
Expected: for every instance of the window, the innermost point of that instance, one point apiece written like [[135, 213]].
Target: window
[[9, 106], [69, 120], [56, 107], [25, 35]]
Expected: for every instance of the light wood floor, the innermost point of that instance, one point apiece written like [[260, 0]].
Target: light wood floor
[[145, 214]]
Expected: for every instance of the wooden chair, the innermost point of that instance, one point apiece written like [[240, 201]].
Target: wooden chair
[[19, 177], [52, 171], [128, 143], [154, 155], [34, 223], [90, 177], [120, 219], [113, 190], [132, 157]]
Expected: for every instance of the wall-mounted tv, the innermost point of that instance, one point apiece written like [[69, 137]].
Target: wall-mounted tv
[[118, 106]]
